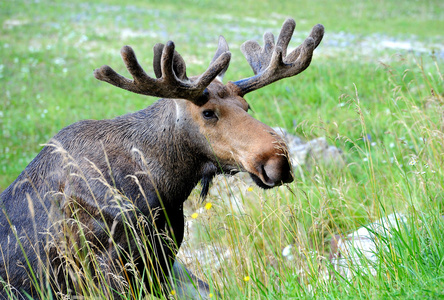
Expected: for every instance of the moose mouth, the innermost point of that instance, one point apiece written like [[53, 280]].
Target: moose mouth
[[254, 177], [264, 176], [259, 182]]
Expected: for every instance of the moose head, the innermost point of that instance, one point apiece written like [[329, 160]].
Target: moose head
[[139, 168], [219, 113]]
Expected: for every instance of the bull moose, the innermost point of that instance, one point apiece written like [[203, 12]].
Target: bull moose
[[105, 197]]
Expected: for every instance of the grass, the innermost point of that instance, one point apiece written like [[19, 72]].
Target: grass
[[382, 106]]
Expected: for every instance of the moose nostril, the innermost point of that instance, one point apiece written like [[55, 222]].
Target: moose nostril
[[266, 176], [277, 170], [270, 173]]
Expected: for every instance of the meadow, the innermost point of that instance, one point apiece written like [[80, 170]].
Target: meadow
[[374, 89]]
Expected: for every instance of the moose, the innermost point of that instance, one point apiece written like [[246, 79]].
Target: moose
[[112, 191]]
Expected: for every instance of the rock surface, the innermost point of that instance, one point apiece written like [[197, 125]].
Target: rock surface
[[303, 154], [358, 251]]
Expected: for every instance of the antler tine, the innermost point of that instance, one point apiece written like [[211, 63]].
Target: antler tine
[[317, 32], [285, 35], [170, 70], [179, 65], [141, 79], [271, 63], [222, 47], [166, 63]]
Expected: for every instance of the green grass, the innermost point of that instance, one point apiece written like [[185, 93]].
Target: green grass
[[382, 106]]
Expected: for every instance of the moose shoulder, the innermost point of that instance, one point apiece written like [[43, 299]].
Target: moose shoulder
[[97, 180]]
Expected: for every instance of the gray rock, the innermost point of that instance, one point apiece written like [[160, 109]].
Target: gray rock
[[358, 251], [305, 154]]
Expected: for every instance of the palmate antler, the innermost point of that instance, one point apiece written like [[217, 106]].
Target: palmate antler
[[272, 63], [170, 70]]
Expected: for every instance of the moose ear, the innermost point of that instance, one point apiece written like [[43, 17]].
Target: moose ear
[[221, 48]]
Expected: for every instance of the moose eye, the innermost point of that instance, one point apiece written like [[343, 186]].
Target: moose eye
[[209, 114]]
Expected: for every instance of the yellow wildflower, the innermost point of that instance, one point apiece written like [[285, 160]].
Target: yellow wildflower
[[208, 205], [173, 292], [250, 189], [194, 216], [247, 278]]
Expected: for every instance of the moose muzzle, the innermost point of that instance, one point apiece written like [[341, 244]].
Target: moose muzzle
[[271, 171], [267, 160]]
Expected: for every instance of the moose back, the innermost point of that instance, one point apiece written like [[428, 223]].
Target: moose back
[[103, 199]]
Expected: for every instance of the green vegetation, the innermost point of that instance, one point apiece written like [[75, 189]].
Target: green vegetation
[[374, 89]]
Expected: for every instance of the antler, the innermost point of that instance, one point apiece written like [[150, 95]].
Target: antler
[[170, 70], [272, 63]]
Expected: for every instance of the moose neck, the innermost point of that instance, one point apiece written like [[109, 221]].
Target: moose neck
[[163, 144]]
